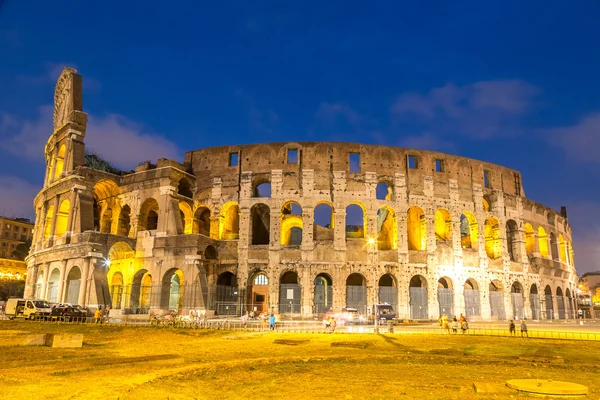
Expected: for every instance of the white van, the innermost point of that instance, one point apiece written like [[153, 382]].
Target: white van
[[29, 309]]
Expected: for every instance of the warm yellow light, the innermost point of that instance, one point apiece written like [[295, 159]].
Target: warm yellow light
[[371, 240]]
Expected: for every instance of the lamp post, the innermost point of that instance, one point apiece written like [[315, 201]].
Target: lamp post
[[375, 319]]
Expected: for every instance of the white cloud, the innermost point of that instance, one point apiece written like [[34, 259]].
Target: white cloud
[[16, 197], [114, 137], [580, 141]]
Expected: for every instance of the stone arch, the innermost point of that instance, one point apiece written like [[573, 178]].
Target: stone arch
[[260, 217], [261, 187], [356, 292], [571, 255], [62, 218], [569, 302], [39, 283], [472, 298], [323, 221], [210, 253], [226, 296], [172, 290], [548, 299], [201, 222], [230, 221], [356, 221], [53, 286], [106, 193], [469, 231], [387, 229], [388, 290], [120, 251], [560, 303], [48, 222], [73, 283], [187, 217], [106, 220], [117, 283], [553, 246], [562, 248], [291, 224], [290, 293], [518, 300], [418, 297], [60, 162], [512, 240], [184, 188], [485, 204], [323, 293], [124, 225], [529, 238], [543, 242], [534, 302], [259, 292], [148, 218], [493, 242], [443, 226], [496, 294], [416, 226], [445, 294], [141, 292], [384, 191]]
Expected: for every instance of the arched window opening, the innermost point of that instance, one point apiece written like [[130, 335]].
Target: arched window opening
[[323, 294], [553, 246], [210, 253], [469, 231], [60, 162], [116, 290], [534, 302], [443, 226], [62, 218], [387, 229], [38, 285], [48, 222], [124, 221], [172, 290], [518, 301], [263, 189], [53, 285], [141, 290], [186, 216], [259, 292], [472, 298], [290, 294], [388, 291], [445, 293], [418, 297], [148, 215], [512, 240], [291, 224], [106, 221], [230, 221], [356, 221], [383, 191], [416, 229], [202, 221], [529, 238], [261, 280], [485, 205], [497, 300], [560, 303], [493, 243], [562, 248], [543, 242], [261, 224], [549, 302], [323, 223], [356, 293], [184, 188], [73, 284], [226, 302]]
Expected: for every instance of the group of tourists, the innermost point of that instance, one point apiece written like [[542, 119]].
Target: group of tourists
[[512, 328], [456, 324], [330, 324]]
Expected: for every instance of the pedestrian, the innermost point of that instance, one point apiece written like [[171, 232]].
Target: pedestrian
[[98, 315], [272, 322], [524, 329], [333, 324], [454, 325], [462, 318], [244, 319], [445, 324], [511, 328], [464, 326]]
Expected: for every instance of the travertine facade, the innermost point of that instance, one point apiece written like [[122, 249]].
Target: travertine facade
[[297, 227]]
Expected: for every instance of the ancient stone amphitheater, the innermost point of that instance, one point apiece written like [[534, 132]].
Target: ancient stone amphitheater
[[296, 228]]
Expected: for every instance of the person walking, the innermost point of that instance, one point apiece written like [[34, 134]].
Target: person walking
[[462, 318], [454, 325], [511, 328], [98, 315], [445, 324], [464, 326], [333, 325], [524, 329], [272, 322]]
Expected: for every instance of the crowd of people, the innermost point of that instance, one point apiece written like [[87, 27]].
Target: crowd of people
[[456, 324]]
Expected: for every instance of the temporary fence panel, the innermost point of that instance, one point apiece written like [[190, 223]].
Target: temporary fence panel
[[518, 305], [72, 296], [497, 305], [290, 301], [446, 302], [52, 292], [534, 301], [560, 302], [549, 307], [418, 303], [356, 297], [323, 299], [472, 303], [389, 295], [225, 300]]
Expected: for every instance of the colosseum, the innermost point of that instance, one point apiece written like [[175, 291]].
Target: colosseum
[[294, 228]]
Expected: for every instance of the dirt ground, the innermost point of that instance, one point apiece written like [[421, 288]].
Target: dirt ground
[[166, 363]]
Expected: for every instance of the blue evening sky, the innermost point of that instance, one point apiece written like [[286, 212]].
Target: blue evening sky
[[513, 82]]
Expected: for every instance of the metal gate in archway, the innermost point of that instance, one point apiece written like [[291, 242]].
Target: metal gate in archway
[[549, 307], [290, 298], [389, 295], [472, 303], [534, 301], [226, 300], [446, 302], [418, 303], [518, 305], [323, 298], [356, 297], [497, 305], [560, 302]]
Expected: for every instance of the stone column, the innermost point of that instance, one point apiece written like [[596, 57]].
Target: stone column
[[72, 208], [308, 213], [45, 268], [62, 282], [84, 282], [484, 293], [339, 228], [53, 225]]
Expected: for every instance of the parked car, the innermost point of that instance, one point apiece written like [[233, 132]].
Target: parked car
[[68, 314], [349, 316], [385, 313]]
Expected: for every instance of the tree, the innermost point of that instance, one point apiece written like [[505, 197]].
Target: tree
[[21, 251]]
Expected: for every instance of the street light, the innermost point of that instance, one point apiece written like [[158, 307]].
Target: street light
[[371, 242]]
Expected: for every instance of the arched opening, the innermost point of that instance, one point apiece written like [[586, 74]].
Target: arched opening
[[534, 302], [124, 221], [549, 304], [73, 285], [263, 189], [569, 302], [323, 222], [106, 220], [172, 290], [497, 300], [356, 221], [141, 292], [210, 253], [184, 188], [259, 292], [512, 240], [418, 297], [48, 222], [38, 285], [553, 246], [230, 221], [60, 162], [291, 224], [493, 243], [356, 293], [562, 248], [62, 218], [560, 303], [202, 221], [148, 220], [472, 298], [485, 204], [387, 229], [96, 210], [187, 217], [226, 298], [445, 293], [116, 290], [289, 294], [261, 224], [53, 284], [416, 226], [443, 226], [571, 256], [323, 293], [543, 242], [469, 231], [388, 291], [384, 191], [529, 238], [518, 301]]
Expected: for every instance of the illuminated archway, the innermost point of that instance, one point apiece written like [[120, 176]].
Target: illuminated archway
[[291, 224], [356, 292], [560, 303], [562, 248], [229, 227], [124, 221], [116, 290], [148, 219], [469, 231], [418, 297], [53, 285], [416, 226], [472, 298], [497, 300], [202, 221], [172, 290], [185, 212], [518, 300], [534, 302], [529, 238], [493, 243], [258, 292], [387, 229], [141, 292], [60, 162], [323, 222], [445, 294], [48, 222], [62, 218], [356, 221], [512, 240], [388, 290], [323, 293], [443, 226], [549, 302], [106, 220], [543, 242]]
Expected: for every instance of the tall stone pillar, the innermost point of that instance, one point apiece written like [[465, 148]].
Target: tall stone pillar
[[62, 282], [85, 272]]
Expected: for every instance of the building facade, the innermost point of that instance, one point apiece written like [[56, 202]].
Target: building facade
[[13, 232], [297, 228]]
